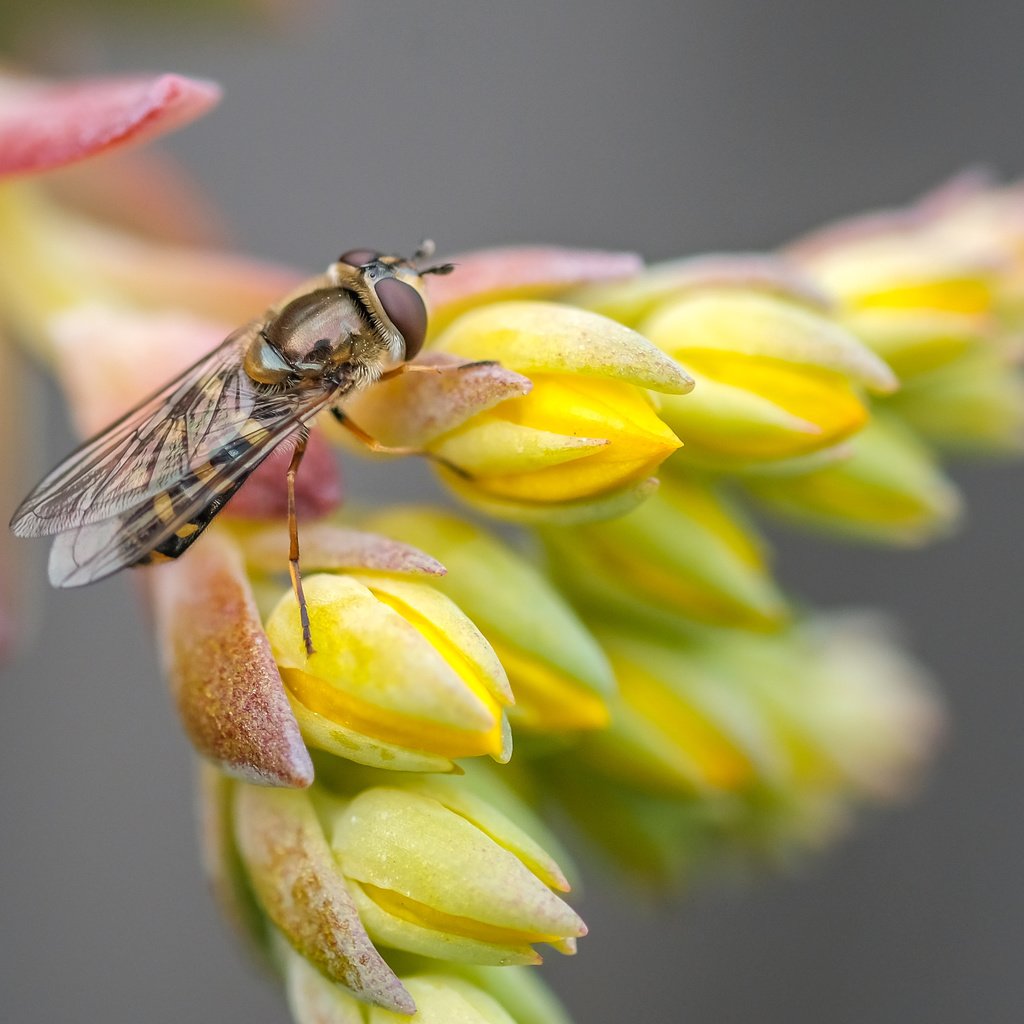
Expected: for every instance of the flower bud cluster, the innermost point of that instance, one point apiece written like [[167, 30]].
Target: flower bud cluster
[[365, 823]]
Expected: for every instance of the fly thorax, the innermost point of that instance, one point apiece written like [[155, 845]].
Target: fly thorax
[[311, 329]]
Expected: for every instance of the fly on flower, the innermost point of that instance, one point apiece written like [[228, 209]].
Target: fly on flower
[[144, 489]]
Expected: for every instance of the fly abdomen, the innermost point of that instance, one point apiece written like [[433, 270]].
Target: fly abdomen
[[183, 537]]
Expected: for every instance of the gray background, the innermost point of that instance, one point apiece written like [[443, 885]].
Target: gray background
[[669, 127]]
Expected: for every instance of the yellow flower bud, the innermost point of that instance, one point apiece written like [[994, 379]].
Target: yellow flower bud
[[567, 439], [430, 880], [585, 440], [758, 743], [914, 293], [400, 678], [684, 552], [889, 489], [558, 673], [896, 271], [914, 341], [774, 380]]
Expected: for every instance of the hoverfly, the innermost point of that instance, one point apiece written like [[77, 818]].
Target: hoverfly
[[144, 489]]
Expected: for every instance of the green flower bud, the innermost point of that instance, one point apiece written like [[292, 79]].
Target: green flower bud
[[442, 999], [685, 552], [890, 489], [678, 727], [974, 405], [519, 990], [735, 742]]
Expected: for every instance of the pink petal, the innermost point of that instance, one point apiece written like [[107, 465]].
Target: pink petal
[[326, 546], [414, 408], [862, 227], [208, 283], [108, 360], [43, 125], [521, 271], [745, 270], [223, 677], [141, 191], [950, 195]]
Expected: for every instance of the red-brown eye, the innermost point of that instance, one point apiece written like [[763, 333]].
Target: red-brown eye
[[358, 257], [405, 310]]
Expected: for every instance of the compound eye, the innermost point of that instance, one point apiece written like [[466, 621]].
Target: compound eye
[[405, 309], [358, 257]]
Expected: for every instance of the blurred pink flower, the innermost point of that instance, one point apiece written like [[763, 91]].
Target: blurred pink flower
[[72, 146]]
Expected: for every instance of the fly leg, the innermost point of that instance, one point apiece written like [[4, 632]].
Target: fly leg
[[293, 541], [376, 446], [397, 371]]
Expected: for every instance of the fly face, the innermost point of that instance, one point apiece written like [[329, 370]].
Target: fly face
[[362, 318]]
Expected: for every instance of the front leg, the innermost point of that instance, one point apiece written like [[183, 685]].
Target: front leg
[[384, 449], [397, 371], [293, 541]]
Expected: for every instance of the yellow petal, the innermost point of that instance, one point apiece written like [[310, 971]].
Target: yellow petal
[[558, 673], [753, 408], [575, 407]]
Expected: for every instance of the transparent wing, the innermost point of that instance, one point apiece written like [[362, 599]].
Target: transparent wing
[[212, 423], [164, 525]]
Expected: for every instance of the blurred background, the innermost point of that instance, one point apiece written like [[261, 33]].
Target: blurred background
[[666, 127]]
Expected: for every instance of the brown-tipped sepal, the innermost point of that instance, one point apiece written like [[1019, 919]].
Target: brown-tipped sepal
[[223, 677], [297, 882]]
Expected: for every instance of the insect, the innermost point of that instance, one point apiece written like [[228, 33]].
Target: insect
[[144, 489]]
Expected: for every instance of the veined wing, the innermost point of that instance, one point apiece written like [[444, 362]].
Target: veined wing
[[165, 524], [189, 422], [90, 553]]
